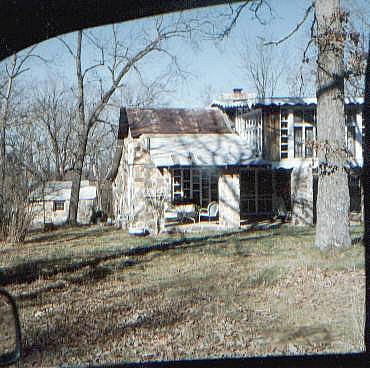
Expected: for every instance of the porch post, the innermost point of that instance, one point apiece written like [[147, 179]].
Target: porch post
[[229, 198]]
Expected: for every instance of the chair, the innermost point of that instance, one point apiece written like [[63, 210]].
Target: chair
[[211, 212], [170, 215]]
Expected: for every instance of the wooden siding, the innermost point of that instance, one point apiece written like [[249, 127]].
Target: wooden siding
[[271, 135]]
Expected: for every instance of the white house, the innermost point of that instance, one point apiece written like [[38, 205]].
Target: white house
[[50, 203]]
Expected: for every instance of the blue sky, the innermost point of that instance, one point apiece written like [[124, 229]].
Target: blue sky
[[212, 67]]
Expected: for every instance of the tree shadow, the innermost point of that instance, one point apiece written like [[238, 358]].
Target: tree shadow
[[31, 270], [58, 236], [66, 331]]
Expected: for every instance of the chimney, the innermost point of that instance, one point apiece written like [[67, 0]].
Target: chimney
[[122, 134], [237, 92], [123, 124]]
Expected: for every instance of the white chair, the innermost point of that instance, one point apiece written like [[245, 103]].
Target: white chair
[[211, 212], [170, 215]]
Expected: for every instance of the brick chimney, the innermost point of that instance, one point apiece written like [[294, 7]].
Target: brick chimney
[[237, 92]]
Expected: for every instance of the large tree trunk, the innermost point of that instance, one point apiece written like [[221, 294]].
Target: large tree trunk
[[76, 181], [83, 137], [5, 109], [366, 186], [332, 228]]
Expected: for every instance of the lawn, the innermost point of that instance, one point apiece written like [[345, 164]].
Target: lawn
[[96, 295]]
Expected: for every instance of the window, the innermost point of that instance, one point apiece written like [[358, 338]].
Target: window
[[284, 134], [190, 185], [36, 201], [58, 206], [308, 140], [298, 142], [304, 133]]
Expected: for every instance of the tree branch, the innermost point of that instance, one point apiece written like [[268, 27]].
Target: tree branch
[[295, 29]]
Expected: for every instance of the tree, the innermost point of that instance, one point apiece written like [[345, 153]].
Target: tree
[[15, 181], [332, 227], [366, 185], [332, 32], [13, 70], [117, 63], [263, 69], [53, 116]]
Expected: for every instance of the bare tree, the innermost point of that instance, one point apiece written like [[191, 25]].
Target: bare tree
[[366, 185], [117, 63], [54, 117], [263, 69], [14, 180], [13, 69]]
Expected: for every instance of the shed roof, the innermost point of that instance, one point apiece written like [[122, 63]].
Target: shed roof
[[201, 150], [61, 191], [177, 121]]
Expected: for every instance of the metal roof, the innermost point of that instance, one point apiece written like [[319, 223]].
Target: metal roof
[[276, 101], [201, 150], [61, 191]]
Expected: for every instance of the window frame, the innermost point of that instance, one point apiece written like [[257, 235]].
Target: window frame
[[305, 125], [59, 205], [206, 178]]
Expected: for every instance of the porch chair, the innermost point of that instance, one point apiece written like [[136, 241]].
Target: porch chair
[[170, 215], [211, 212]]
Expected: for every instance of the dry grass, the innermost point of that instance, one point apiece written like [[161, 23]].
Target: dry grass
[[250, 293]]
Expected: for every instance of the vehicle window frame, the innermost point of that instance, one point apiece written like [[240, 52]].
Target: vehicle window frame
[[53, 13]]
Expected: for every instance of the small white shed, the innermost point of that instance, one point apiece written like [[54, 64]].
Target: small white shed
[[50, 203]]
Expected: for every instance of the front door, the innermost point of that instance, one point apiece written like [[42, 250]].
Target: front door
[[255, 192]]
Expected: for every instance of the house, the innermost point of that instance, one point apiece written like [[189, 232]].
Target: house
[[254, 157], [284, 130], [50, 203]]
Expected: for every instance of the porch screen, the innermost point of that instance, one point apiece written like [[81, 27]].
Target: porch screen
[[194, 185], [255, 192]]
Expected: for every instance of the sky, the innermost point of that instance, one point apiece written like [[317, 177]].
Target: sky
[[210, 67]]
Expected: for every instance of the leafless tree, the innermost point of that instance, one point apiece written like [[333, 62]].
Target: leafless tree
[[366, 182], [54, 118], [12, 70], [263, 69], [14, 180], [116, 62]]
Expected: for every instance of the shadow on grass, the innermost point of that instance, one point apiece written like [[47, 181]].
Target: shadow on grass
[[32, 270], [74, 233], [64, 331]]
